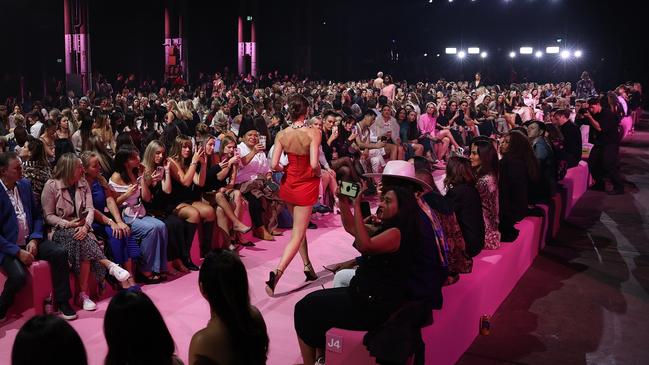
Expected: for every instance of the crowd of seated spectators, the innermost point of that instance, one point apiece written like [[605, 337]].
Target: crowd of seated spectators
[[119, 182]]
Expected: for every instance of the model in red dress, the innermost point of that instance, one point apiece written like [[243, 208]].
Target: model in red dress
[[300, 185]]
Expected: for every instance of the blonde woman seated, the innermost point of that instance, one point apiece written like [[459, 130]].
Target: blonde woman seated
[[68, 209]]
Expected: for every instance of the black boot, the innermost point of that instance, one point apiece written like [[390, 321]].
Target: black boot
[[185, 249], [206, 238]]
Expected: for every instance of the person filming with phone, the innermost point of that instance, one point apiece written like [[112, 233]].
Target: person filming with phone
[[393, 246]]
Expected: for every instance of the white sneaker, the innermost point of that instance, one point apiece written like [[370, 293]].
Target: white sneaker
[[86, 303], [119, 273]]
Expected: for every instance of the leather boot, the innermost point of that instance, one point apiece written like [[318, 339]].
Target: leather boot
[[263, 234]]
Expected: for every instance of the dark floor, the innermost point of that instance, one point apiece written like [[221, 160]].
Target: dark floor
[[585, 300]]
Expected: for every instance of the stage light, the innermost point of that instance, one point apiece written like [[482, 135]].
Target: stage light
[[578, 53], [430, 1], [425, 54], [451, 50], [461, 54], [437, 55], [551, 50], [512, 54], [559, 40], [565, 54], [473, 50], [483, 55], [526, 50], [538, 54]]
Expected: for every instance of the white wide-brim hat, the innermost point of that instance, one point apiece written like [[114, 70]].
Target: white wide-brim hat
[[401, 170]]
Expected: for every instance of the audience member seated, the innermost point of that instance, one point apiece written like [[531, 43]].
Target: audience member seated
[[48, 136], [123, 247], [47, 339], [328, 183], [518, 170], [68, 210], [377, 289], [187, 178], [150, 232], [546, 186], [136, 333], [484, 161], [180, 233], [462, 195], [572, 143], [36, 167], [22, 240], [222, 169], [254, 180], [236, 331]]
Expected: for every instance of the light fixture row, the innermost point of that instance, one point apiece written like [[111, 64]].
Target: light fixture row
[[564, 54]]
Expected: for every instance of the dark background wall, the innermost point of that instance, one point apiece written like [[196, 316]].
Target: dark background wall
[[337, 39]]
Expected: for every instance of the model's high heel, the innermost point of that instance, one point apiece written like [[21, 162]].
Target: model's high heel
[[273, 278], [310, 273]]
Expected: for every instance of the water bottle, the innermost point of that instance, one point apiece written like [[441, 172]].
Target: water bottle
[[485, 325], [48, 306]]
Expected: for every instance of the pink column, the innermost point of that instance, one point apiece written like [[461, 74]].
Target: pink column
[[241, 48], [253, 51], [77, 45]]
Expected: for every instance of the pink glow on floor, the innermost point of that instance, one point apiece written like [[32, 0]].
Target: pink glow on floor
[[185, 311]]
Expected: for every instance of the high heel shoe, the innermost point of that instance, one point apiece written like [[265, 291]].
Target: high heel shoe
[[310, 273], [273, 278], [241, 228]]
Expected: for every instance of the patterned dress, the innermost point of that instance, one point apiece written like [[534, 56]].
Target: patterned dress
[[488, 188], [37, 173]]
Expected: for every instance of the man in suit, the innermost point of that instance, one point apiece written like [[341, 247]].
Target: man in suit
[[22, 240]]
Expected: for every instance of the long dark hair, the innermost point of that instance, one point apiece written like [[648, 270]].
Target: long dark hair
[[135, 332], [48, 339], [224, 282], [520, 148], [36, 149], [121, 157], [458, 172], [85, 130], [407, 203], [488, 158]]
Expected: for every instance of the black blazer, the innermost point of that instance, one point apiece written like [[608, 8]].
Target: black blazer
[[468, 211], [513, 186]]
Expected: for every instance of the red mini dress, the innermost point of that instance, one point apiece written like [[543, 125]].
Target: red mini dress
[[299, 184]]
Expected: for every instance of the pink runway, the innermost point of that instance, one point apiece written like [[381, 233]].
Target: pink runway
[[185, 311]]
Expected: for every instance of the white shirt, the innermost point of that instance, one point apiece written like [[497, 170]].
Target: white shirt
[[381, 127], [21, 217], [35, 130], [258, 167]]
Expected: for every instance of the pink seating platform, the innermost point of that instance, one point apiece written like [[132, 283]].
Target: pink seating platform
[[576, 184]]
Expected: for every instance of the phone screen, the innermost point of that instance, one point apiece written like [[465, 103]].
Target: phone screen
[[365, 209]]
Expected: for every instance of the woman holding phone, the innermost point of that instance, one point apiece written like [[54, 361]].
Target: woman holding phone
[[300, 184]]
